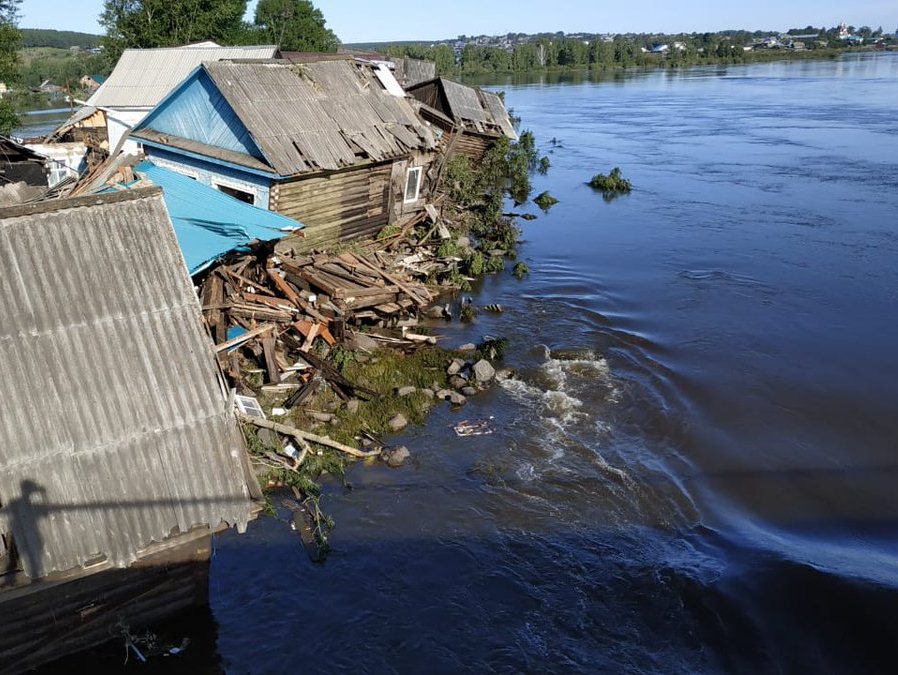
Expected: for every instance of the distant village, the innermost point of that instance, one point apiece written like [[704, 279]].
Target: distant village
[[792, 39]]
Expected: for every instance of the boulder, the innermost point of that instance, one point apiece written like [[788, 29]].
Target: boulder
[[320, 416], [428, 393], [406, 391], [398, 423], [467, 347], [352, 406], [360, 341], [455, 367], [505, 374], [457, 398], [395, 457], [483, 371], [444, 394], [469, 391], [457, 382]]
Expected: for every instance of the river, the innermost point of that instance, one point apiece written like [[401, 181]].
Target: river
[[706, 481]]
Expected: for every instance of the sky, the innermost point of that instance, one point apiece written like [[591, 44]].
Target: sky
[[369, 21]]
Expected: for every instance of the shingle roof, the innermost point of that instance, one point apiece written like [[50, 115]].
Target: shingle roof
[[115, 427], [473, 108], [319, 116], [143, 77]]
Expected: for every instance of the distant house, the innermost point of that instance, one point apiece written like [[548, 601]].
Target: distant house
[[325, 143], [91, 83], [143, 77], [475, 118], [47, 87]]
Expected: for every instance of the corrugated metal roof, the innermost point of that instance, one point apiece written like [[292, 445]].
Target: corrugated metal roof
[[143, 77], [474, 109], [115, 428], [208, 223], [319, 116]]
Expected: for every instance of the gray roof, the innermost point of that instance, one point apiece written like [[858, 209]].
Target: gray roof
[[115, 425], [475, 109], [143, 77], [320, 116], [411, 71]]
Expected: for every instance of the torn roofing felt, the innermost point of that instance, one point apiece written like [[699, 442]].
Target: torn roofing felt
[[208, 223]]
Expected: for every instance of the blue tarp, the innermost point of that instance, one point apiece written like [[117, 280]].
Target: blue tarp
[[209, 223]]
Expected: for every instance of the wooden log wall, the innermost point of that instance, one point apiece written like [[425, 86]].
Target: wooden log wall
[[346, 205], [45, 620]]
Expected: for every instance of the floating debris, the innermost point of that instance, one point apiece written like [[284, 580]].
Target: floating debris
[[478, 428]]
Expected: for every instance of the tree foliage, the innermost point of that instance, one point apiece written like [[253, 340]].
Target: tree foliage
[[295, 26], [10, 39], [61, 39], [169, 23]]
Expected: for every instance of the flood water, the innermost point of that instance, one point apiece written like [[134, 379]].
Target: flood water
[[706, 480]]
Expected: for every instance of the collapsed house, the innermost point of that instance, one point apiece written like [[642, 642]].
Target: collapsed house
[[119, 450], [143, 77], [23, 171], [208, 223], [473, 118], [334, 144]]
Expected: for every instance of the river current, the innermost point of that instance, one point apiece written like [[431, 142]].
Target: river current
[[695, 470]]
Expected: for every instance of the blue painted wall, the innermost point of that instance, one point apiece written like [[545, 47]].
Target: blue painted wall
[[196, 110], [212, 174]]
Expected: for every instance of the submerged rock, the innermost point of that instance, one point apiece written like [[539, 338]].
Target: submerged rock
[[395, 457], [457, 398], [444, 394]]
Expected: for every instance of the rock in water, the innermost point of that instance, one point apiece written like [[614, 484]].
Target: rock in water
[[457, 398], [469, 391], [483, 371], [395, 457], [398, 423]]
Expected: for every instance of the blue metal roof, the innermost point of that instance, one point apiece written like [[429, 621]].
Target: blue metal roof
[[209, 223]]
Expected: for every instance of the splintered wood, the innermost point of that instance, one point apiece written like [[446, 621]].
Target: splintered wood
[[269, 315]]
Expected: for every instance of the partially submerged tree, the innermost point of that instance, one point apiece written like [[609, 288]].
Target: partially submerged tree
[[10, 38], [295, 26], [169, 23]]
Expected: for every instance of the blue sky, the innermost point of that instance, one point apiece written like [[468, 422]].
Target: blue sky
[[369, 21]]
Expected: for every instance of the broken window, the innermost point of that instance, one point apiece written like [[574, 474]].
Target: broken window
[[412, 184], [237, 193]]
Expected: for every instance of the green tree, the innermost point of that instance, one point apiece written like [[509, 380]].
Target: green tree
[[10, 39], [295, 26], [168, 23]]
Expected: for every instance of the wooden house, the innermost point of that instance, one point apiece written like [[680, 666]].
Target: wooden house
[[119, 451], [143, 77], [334, 144], [473, 118]]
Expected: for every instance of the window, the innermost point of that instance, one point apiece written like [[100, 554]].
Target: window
[[237, 193], [413, 184]]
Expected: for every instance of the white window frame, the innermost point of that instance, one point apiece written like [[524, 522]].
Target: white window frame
[[419, 171]]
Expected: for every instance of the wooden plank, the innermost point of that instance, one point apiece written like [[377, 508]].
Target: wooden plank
[[269, 343], [249, 335]]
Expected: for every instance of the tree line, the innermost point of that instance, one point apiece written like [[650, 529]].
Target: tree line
[[546, 52], [293, 25]]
